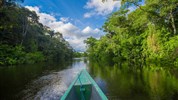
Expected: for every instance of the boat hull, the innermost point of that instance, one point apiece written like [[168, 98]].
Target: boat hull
[[84, 88]]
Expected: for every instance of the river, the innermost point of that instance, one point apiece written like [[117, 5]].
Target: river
[[119, 82]]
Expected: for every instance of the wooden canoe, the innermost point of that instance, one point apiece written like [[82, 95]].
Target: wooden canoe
[[83, 88]]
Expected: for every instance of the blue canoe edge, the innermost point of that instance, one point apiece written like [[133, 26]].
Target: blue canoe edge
[[97, 93]]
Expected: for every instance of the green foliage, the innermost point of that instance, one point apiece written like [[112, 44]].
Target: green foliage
[[148, 33], [9, 2], [24, 40], [11, 55], [34, 57], [80, 54]]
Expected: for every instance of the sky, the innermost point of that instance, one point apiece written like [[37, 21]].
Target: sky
[[75, 19]]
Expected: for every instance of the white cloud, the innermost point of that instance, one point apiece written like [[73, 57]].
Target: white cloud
[[88, 15], [64, 19], [98, 7], [36, 9], [44, 18], [77, 43], [73, 34], [88, 31]]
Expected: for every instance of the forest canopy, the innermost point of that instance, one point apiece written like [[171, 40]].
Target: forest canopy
[[146, 34], [24, 40]]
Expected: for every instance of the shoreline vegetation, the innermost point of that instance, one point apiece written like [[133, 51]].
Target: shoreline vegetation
[[147, 34], [23, 39]]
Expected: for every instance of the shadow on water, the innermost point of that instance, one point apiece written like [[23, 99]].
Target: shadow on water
[[122, 81]]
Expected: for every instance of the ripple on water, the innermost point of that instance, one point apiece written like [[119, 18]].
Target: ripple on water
[[51, 86]]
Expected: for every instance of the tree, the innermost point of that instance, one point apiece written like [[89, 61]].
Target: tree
[[149, 33], [24, 40], [9, 2]]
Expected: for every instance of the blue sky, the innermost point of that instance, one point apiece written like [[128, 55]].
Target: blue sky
[[75, 19]]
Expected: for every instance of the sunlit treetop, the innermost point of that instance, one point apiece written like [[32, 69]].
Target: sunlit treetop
[[9, 2]]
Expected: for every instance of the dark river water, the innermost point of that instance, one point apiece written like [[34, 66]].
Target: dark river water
[[48, 81]]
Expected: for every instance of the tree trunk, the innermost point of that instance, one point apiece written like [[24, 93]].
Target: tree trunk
[[173, 22], [1, 3], [24, 30]]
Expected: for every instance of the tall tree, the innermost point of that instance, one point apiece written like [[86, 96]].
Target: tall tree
[[149, 33]]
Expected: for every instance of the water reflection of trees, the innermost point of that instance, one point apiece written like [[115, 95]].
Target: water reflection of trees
[[143, 83]]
